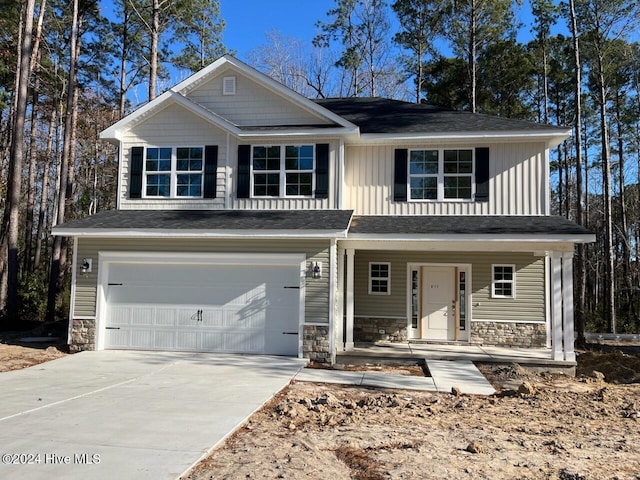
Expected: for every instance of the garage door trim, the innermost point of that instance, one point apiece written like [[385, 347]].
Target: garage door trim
[[193, 258]]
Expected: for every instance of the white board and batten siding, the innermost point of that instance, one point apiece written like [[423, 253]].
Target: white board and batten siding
[[517, 176], [177, 127], [528, 305]]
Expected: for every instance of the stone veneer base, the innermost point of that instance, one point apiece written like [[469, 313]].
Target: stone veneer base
[[367, 329], [509, 334]]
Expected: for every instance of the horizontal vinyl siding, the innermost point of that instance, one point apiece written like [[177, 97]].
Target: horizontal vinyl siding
[[316, 290], [529, 304], [252, 105], [174, 126], [517, 172]]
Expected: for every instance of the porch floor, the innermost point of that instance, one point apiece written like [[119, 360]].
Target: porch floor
[[381, 351]]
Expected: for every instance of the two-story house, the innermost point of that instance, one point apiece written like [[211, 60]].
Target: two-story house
[[251, 219]]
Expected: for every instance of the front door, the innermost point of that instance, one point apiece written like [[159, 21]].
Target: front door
[[438, 302]]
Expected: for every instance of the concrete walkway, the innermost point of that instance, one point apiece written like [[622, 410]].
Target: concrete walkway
[[128, 415], [444, 375]]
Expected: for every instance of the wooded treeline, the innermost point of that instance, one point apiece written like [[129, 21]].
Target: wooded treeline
[[67, 72]]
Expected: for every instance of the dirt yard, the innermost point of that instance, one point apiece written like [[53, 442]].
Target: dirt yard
[[556, 428], [15, 357]]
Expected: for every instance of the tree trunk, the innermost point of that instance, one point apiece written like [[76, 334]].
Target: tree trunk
[[624, 234], [473, 61], [64, 168], [44, 195], [155, 33], [15, 169], [580, 261], [609, 291], [31, 186]]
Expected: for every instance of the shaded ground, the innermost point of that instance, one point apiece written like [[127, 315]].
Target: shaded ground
[[561, 428], [37, 344], [15, 357]]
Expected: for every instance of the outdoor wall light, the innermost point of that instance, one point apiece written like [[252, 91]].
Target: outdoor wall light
[[316, 269], [85, 267]]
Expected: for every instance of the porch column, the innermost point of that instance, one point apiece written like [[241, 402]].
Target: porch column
[[556, 305], [567, 302], [339, 307], [348, 344]]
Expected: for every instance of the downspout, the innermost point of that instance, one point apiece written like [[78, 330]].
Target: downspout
[[333, 251], [72, 302], [118, 191], [340, 186], [546, 208], [226, 174]]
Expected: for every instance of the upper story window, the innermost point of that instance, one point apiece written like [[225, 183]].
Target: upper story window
[[173, 172], [440, 174], [282, 170]]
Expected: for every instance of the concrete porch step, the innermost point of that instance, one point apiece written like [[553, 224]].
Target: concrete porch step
[[444, 376]]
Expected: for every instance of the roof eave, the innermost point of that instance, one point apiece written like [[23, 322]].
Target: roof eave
[[475, 238], [195, 233], [551, 137], [316, 132]]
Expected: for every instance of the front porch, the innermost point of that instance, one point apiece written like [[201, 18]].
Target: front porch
[[386, 352]]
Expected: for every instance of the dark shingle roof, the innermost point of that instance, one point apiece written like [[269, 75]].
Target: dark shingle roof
[[382, 115], [465, 225], [302, 220]]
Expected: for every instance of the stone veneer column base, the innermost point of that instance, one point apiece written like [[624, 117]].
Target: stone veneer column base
[[315, 343], [509, 334], [83, 335], [368, 329]]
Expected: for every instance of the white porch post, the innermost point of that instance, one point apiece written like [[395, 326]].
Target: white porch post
[[567, 296], [348, 345], [556, 304], [339, 307]]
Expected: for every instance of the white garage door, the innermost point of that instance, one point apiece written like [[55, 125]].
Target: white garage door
[[205, 308]]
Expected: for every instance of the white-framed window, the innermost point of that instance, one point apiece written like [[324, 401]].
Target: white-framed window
[[440, 174], [503, 281], [379, 278], [282, 170], [173, 172]]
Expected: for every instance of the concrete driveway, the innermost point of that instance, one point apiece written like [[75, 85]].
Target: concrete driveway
[[128, 415]]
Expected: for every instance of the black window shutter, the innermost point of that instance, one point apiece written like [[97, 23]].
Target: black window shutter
[[322, 170], [210, 171], [482, 174], [400, 175], [136, 162], [244, 171]]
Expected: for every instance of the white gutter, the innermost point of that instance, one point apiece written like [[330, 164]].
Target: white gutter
[[195, 233], [473, 237]]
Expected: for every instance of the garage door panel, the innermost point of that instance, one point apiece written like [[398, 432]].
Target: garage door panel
[[188, 341], [218, 308], [118, 338], [166, 317]]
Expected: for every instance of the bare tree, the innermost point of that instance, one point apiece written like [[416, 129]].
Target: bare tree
[[16, 159]]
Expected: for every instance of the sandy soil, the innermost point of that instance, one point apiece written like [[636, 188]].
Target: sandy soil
[[556, 428], [539, 426], [15, 357]]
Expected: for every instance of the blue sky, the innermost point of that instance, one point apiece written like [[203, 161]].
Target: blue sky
[[248, 20]]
